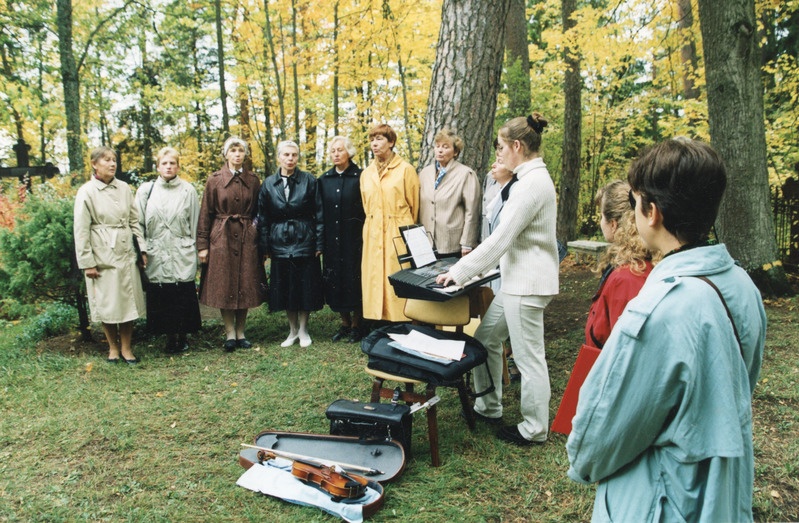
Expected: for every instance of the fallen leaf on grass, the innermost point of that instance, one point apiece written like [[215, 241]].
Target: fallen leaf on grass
[[174, 424], [234, 384], [89, 366], [775, 494]]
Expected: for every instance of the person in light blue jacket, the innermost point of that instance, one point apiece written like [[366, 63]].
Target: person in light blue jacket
[[664, 419]]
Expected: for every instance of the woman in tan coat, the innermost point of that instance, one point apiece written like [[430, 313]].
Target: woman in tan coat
[[450, 199], [106, 225], [390, 194], [233, 279]]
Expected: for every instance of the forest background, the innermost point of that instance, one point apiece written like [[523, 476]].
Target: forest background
[[189, 73]]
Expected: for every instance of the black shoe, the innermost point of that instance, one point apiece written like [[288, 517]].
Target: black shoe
[[113, 360], [484, 419], [511, 434], [230, 345], [243, 344], [178, 348], [341, 333], [132, 361], [356, 335]]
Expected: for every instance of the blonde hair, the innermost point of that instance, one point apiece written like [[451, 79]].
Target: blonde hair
[[627, 248], [448, 135], [167, 151]]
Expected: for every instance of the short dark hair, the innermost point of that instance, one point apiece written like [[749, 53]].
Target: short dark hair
[[686, 180]]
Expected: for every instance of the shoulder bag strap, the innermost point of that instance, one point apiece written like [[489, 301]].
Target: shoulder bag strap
[[727, 309]]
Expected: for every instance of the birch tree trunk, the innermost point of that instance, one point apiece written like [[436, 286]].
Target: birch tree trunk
[[737, 131], [465, 82], [569, 192]]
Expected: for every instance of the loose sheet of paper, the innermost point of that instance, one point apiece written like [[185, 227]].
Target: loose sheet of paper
[[415, 340]]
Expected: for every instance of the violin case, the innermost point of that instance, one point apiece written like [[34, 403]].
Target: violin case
[[386, 456]]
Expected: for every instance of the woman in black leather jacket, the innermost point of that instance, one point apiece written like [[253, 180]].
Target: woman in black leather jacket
[[291, 233]]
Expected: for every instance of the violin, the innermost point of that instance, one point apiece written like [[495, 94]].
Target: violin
[[339, 484]]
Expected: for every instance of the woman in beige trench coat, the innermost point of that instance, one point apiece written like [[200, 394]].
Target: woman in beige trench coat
[[105, 224], [390, 194]]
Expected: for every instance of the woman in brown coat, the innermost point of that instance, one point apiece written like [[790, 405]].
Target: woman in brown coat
[[233, 278]]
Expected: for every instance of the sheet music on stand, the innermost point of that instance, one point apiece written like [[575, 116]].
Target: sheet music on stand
[[419, 245]]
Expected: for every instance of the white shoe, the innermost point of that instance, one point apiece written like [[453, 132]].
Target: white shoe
[[291, 340], [305, 341]]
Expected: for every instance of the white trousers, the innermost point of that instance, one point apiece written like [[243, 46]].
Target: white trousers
[[521, 318]]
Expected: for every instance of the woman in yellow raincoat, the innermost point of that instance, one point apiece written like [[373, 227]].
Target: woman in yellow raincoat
[[390, 194]]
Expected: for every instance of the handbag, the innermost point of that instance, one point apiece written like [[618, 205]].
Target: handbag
[[568, 405]]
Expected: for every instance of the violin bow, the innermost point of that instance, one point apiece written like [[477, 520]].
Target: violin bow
[[368, 471]]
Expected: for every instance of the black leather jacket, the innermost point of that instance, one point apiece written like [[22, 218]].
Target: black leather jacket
[[294, 227]]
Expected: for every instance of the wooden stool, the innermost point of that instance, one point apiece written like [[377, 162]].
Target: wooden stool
[[454, 312]]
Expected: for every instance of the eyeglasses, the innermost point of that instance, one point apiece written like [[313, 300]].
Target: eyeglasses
[[632, 199]]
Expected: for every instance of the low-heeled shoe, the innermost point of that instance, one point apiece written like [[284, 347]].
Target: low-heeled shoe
[[112, 360], [230, 345], [341, 333], [132, 361], [243, 343], [484, 419], [511, 434], [356, 335]]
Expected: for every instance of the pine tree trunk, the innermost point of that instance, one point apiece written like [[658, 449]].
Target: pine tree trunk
[[220, 55], [569, 192], [737, 130], [465, 82]]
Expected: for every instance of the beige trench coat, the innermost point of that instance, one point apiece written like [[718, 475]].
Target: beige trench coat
[[389, 202], [105, 222]]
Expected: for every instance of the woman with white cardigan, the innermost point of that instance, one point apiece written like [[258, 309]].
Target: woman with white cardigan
[[524, 244]]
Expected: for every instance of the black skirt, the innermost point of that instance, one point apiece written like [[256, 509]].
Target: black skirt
[[295, 284], [172, 308]]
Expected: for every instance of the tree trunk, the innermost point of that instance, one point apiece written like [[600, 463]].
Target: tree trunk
[[466, 74], [688, 49], [69, 80], [220, 55], [569, 194], [278, 84], [294, 73], [518, 59], [737, 132], [335, 68]]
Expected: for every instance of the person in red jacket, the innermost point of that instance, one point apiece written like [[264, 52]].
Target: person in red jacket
[[624, 266]]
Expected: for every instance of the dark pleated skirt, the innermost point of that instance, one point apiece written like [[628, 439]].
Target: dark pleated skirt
[[172, 308], [295, 284]]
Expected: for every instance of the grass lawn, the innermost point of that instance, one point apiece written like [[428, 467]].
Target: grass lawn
[[83, 440]]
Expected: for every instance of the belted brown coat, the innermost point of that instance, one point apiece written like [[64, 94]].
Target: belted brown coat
[[234, 276]]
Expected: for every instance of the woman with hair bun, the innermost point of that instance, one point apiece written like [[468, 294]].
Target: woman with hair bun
[[227, 240], [525, 247], [624, 265]]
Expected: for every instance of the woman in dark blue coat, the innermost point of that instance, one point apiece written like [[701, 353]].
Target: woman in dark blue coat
[[291, 232], [344, 217]]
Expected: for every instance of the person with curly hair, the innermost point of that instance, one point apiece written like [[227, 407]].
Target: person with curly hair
[[624, 266]]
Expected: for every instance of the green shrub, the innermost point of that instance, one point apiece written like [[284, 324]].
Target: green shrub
[[57, 318]]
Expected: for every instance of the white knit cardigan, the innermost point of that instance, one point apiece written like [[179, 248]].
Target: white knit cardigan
[[524, 243]]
